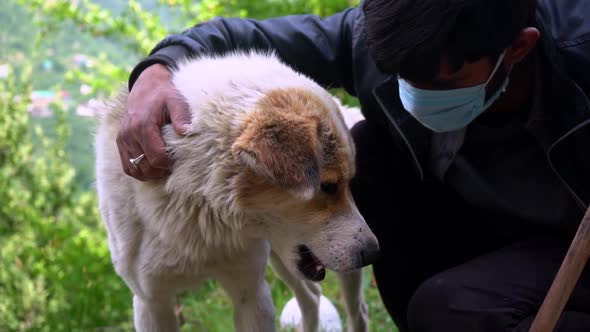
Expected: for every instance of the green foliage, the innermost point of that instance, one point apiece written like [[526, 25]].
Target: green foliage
[[200, 11], [54, 257], [139, 28], [55, 269]]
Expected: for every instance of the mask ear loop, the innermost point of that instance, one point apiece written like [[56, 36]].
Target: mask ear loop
[[502, 88], [498, 63]]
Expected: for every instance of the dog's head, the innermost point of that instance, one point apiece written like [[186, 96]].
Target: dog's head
[[298, 159]]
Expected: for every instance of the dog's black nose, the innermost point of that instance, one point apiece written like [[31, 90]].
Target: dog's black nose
[[370, 253]]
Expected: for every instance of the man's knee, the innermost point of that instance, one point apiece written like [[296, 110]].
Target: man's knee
[[445, 303], [429, 306], [448, 302]]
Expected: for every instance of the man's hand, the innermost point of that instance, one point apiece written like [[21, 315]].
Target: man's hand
[[153, 102]]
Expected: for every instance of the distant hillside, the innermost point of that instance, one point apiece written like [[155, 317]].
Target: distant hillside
[[60, 42], [52, 52]]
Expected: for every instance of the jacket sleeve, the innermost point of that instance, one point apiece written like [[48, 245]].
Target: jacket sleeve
[[321, 48]]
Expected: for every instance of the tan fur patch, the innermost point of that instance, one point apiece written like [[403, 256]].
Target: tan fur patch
[[281, 143], [309, 105], [291, 130]]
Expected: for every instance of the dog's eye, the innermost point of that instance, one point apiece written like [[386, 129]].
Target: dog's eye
[[329, 187]]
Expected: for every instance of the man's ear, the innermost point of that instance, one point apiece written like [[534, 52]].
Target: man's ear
[[284, 148], [522, 46]]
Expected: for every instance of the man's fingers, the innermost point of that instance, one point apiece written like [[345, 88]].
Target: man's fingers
[[147, 107], [179, 114], [155, 152], [144, 170], [125, 155]]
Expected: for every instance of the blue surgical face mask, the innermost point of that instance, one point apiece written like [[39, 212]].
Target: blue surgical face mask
[[447, 110]]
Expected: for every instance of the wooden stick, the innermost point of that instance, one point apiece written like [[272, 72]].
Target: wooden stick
[[566, 279]]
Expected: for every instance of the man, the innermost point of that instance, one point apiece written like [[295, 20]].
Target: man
[[472, 163]]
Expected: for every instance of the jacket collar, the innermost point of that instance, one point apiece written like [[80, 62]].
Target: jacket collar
[[415, 136]]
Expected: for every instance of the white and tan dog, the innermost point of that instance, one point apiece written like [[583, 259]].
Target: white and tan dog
[[265, 164]]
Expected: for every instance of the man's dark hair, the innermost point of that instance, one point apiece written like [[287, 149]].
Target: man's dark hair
[[409, 37]]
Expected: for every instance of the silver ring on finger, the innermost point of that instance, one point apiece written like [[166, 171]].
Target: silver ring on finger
[[135, 161]]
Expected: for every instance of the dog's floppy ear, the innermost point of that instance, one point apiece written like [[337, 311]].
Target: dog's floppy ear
[[283, 147]]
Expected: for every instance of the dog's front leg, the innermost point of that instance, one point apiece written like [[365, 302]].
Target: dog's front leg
[[306, 292], [357, 313], [243, 279], [154, 316]]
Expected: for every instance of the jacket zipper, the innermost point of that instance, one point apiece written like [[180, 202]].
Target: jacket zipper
[[403, 136], [569, 188], [580, 202]]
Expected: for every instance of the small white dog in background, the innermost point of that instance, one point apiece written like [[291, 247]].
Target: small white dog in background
[[262, 172]]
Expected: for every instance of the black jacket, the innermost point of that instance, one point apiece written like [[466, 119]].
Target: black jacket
[[333, 52]]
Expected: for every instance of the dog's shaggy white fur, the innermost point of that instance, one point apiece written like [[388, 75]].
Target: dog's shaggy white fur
[[265, 164]]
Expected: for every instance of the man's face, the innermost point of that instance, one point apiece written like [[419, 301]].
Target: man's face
[[470, 74]]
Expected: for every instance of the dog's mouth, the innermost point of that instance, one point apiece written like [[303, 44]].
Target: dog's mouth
[[309, 265]]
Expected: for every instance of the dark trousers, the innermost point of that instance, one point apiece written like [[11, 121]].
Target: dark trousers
[[442, 268]]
